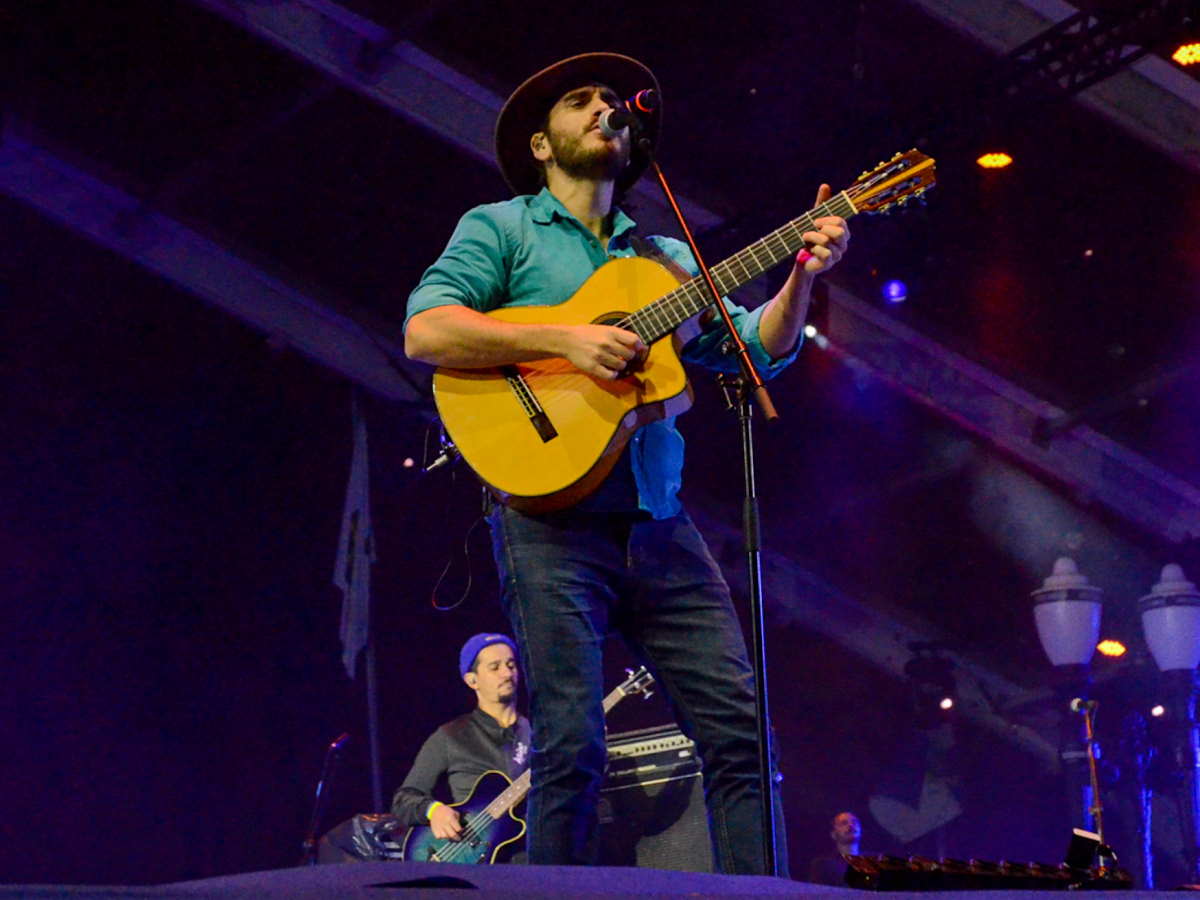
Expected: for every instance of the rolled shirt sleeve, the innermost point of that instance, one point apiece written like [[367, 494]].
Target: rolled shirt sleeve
[[472, 271]]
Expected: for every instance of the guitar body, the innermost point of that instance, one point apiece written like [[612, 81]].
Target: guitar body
[[591, 419], [491, 840], [543, 435]]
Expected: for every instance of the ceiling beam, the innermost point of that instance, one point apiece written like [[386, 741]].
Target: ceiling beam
[[346, 340], [1092, 466], [371, 60]]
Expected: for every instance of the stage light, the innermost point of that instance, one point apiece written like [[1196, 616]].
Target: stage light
[[996, 160], [1158, 710], [895, 292], [931, 678], [1187, 54], [1067, 614], [1109, 647], [1066, 611], [409, 462], [810, 331], [1171, 623]]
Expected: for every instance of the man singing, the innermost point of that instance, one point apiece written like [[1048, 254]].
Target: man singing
[[626, 557]]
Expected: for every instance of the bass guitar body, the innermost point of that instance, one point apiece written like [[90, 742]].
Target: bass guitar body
[[485, 839], [543, 434]]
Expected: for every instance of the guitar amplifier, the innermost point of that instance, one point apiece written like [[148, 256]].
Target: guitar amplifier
[[652, 803]]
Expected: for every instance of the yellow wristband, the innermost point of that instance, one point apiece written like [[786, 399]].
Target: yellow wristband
[[432, 806]]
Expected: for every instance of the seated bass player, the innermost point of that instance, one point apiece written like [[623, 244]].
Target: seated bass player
[[491, 738]]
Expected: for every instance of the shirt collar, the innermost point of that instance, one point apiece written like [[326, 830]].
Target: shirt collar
[[490, 724], [544, 207]]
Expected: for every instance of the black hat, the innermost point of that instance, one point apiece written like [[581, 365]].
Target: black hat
[[525, 111]]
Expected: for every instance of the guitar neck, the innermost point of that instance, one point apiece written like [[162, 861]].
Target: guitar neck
[[515, 792], [664, 315]]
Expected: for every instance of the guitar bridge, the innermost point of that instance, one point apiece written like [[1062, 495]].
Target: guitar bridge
[[537, 415]]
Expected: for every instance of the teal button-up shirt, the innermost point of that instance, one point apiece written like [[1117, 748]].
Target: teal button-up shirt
[[530, 250]]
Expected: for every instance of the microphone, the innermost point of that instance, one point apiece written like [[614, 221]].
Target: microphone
[[1079, 705], [614, 121], [448, 455]]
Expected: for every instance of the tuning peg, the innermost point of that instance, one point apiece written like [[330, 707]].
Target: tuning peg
[[896, 157], [864, 173]]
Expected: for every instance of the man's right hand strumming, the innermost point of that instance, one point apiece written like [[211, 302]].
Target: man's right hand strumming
[[601, 350]]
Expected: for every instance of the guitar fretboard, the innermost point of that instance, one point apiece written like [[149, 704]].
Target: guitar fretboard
[[664, 315]]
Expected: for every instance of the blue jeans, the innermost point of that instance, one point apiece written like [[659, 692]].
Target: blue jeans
[[567, 580]]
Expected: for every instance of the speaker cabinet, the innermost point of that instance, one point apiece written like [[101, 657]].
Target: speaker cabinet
[[652, 803]]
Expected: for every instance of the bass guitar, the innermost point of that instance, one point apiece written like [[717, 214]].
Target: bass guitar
[[490, 827], [542, 435]]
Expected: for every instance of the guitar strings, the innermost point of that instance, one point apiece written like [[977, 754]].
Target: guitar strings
[[689, 290], [459, 847]]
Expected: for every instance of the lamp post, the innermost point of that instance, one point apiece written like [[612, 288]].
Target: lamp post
[[1171, 623], [1066, 610]]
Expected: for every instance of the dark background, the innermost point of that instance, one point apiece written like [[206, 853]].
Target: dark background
[[173, 480]]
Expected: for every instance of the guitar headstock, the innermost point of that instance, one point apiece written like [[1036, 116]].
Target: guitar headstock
[[637, 683], [892, 183]]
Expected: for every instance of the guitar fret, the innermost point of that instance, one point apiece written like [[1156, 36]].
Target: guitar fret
[[655, 318], [662, 316], [721, 275], [773, 239], [737, 258], [753, 248]]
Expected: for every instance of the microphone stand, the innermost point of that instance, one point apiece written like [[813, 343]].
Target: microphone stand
[[737, 390], [310, 841], [1105, 857]]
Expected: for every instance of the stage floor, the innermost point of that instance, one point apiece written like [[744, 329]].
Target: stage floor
[[382, 880]]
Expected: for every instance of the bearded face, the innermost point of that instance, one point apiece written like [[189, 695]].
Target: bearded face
[[578, 147], [590, 155]]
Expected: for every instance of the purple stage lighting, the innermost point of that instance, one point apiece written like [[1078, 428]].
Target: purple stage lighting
[[895, 292]]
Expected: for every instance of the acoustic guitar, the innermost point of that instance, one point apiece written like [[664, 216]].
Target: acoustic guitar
[[542, 435], [490, 827]]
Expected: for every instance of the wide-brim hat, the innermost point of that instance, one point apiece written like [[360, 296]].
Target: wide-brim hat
[[525, 112]]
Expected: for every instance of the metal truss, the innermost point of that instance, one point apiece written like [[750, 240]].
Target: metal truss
[[1088, 47]]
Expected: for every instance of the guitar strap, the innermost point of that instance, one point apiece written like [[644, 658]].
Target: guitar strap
[[645, 248]]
